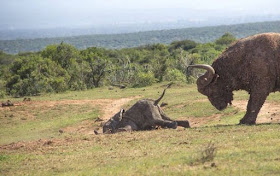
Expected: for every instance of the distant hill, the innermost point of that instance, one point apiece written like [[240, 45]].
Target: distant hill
[[202, 34]]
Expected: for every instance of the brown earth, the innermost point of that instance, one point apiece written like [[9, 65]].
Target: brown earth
[[108, 107], [270, 113]]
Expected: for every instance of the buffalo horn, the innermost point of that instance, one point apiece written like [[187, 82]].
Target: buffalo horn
[[205, 79]]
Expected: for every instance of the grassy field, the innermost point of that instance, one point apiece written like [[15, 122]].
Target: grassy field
[[53, 135]]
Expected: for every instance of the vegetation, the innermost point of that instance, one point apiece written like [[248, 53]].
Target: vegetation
[[62, 67], [117, 41]]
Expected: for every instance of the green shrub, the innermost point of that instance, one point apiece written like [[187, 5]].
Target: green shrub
[[34, 75], [174, 75], [2, 89], [143, 79], [2, 94], [191, 80]]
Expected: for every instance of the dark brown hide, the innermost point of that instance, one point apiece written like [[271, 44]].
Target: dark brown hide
[[251, 64], [143, 115]]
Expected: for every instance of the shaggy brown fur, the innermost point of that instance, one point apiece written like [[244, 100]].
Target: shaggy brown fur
[[143, 115], [251, 64]]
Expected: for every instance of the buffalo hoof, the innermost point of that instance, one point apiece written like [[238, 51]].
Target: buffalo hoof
[[186, 124], [183, 123], [246, 122]]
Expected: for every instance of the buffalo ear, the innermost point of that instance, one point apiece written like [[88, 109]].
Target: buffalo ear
[[121, 114], [216, 77]]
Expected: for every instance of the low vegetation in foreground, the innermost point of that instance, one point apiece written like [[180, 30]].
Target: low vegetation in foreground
[[53, 135]]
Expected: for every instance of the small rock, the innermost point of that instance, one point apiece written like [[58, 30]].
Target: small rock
[[49, 142], [213, 165], [98, 119], [122, 86], [27, 99]]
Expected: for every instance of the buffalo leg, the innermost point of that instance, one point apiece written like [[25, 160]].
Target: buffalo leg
[[182, 123], [166, 123], [253, 108], [129, 126], [126, 128]]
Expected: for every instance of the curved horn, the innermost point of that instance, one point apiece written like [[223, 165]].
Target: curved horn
[[205, 79]]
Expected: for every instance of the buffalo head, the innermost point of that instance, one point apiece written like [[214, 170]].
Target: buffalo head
[[211, 85], [112, 124]]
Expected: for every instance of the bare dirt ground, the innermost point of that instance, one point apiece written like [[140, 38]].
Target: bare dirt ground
[[108, 107], [270, 113]]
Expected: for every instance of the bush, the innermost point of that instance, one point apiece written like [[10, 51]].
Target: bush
[[2, 89], [191, 80], [226, 39], [2, 94], [34, 75], [143, 79], [174, 75]]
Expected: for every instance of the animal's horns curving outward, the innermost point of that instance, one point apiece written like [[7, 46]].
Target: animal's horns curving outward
[[205, 79]]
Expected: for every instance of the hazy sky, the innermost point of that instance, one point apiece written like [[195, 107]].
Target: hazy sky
[[75, 13]]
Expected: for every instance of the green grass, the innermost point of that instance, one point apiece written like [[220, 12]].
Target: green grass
[[241, 150], [33, 123]]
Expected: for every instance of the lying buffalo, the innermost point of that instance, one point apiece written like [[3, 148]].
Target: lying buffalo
[[145, 114], [251, 64]]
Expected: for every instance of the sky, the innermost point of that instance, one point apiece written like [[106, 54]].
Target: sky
[[20, 14]]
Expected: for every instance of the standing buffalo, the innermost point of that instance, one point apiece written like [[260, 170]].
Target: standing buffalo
[[143, 115], [251, 64]]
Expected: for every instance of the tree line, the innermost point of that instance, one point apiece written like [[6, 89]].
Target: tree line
[[117, 41], [62, 67]]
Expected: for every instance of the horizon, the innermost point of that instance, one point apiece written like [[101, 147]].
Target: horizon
[[30, 19], [48, 14]]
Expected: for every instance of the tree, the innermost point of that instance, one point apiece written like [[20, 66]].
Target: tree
[[33, 75], [96, 64], [68, 57], [226, 39]]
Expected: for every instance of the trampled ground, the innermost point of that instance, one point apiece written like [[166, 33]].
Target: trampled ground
[[53, 134]]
